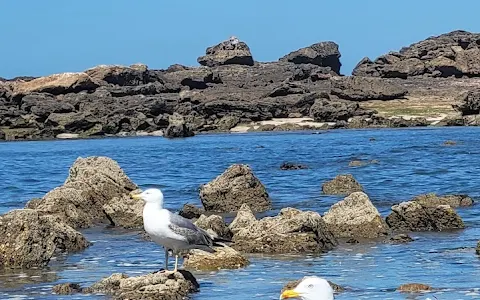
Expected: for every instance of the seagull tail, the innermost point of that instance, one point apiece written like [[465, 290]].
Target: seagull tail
[[220, 240]]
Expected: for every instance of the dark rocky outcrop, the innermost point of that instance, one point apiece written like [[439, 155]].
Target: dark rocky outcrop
[[324, 54], [452, 54], [327, 110], [355, 217], [363, 88], [413, 216], [468, 103], [229, 52], [28, 239], [177, 127], [292, 231], [401, 238], [235, 187], [159, 285], [67, 289], [229, 90], [342, 185]]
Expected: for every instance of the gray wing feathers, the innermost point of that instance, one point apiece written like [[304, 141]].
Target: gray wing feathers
[[193, 234]]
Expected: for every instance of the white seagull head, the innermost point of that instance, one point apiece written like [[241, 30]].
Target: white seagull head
[[154, 196], [310, 288]]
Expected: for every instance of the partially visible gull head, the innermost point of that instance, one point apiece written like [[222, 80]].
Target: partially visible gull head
[[310, 288], [154, 196]]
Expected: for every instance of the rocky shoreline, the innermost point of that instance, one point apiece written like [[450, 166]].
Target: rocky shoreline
[[97, 193], [430, 83]]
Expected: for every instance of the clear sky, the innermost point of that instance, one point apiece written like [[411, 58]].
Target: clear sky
[[52, 36]]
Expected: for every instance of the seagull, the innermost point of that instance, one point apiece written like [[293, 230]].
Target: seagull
[[170, 230], [310, 288]]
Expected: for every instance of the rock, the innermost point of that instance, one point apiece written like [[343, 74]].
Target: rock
[[228, 122], [401, 238], [223, 258], [159, 285], [120, 75], [413, 216], [67, 289], [288, 88], [125, 212], [414, 287], [362, 163], [190, 211], [292, 231], [356, 217], [342, 185], [324, 54], [177, 127], [216, 224], [468, 103], [57, 84], [28, 239], [364, 88], [96, 187], [292, 284], [292, 166], [236, 186], [432, 200], [325, 110], [67, 136], [477, 249], [229, 52], [449, 143], [452, 54]]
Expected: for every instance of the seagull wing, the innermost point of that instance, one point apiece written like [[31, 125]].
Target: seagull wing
[[194, 236]]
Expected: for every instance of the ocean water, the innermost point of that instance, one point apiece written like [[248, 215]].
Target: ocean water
[[411, 162]]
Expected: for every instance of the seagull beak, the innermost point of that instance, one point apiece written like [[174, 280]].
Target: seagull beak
[[289, 294], [136, 195]]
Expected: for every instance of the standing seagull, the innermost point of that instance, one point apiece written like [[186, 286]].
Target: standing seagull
[[310, 288], [170, 230]]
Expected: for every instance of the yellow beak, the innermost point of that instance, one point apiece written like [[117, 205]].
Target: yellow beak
[[289, 294], [135, 195]]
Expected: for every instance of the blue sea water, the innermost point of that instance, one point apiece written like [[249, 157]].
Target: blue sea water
[[411, 162]]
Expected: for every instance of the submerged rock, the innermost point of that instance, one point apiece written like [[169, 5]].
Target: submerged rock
[[342, 185], [414, 287], [292, 231], [67, 289], [28, 239], [292, 166], [223, 258], [356, 217], [159, 285], [477, 249], [413, 216], [401, 238], [432, 200], [236, 186]]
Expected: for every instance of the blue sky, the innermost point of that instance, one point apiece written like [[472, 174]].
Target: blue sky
[[52, 36]]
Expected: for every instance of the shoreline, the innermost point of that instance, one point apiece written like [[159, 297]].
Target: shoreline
[[230, 91]]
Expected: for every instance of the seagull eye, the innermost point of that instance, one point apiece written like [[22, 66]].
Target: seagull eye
[[310, 286]]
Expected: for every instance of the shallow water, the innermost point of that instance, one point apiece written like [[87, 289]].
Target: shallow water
[[411, 162]]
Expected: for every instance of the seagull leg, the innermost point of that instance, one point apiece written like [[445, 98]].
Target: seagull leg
[[166, 259], [176, 263]]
